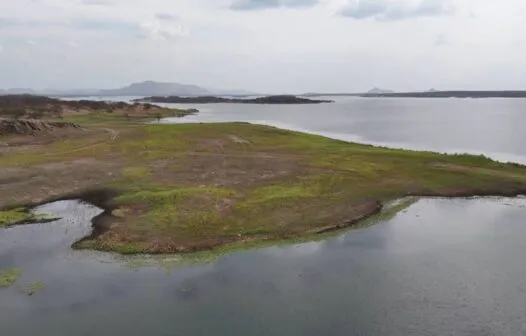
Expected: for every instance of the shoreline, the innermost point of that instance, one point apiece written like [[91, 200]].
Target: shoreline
[[102, 199]]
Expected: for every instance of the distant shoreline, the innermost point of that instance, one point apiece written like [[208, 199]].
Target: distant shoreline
[[449, 94], [280, 99]]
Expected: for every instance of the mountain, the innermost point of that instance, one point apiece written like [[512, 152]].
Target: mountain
[[379, 91], [147, 88], [151, 88]]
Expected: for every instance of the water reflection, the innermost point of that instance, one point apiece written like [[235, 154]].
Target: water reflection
[[441, 267]]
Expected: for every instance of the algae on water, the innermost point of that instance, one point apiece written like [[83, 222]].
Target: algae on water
[[9, 276], [32, 288], [10, 217]]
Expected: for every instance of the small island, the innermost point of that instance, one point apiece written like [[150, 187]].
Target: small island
[[175, 188], [279, 99]]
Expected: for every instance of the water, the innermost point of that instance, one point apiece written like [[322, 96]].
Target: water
[[480, 126], [440, 267]]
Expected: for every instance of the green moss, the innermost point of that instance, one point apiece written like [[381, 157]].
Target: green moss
[[9, 276]]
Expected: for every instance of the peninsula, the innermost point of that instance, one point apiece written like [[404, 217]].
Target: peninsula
[[174, 188], [280, 99]]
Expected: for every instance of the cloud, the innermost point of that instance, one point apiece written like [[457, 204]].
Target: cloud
[[158, 30], [266, 4], [73, 44], [31, 42], [97, 2], [386, 10], [1, 48], [166, 17], [441, 40], [5, 22]]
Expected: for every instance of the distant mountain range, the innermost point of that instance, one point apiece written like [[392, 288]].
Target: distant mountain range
[[147, 88]]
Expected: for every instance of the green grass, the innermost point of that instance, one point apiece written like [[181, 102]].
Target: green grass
[[9, 276], [190, 187], [120, 117]]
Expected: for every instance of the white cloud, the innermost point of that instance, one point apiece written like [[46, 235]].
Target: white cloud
[[441, 40], [292, 46], [73, 44], [396, 10], [159, 29], [97, 2]]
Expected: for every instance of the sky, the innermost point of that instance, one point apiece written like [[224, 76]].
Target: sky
[[271, 46]]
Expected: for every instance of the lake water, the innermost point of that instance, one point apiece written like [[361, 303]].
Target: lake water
[[492, 127], [440, 267]]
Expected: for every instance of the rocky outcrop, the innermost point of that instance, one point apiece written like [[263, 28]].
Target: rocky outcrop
[[28, 126]]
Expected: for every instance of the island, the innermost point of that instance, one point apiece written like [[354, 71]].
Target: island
[[180, 188], [279, 99]]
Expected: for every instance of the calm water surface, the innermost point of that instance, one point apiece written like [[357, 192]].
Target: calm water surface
[[441, 267], [492, 127]]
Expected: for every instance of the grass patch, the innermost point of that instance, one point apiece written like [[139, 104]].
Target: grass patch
[[9, 276]]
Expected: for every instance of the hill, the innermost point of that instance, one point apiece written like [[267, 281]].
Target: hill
[[146, 88]]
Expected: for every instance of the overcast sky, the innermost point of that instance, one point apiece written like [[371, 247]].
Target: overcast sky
[[265, 45]]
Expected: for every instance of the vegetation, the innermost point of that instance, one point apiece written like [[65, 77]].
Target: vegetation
[[194, 187], [14, 216], [9, 276]]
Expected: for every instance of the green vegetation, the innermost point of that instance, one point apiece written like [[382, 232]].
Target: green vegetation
[[14, 216], [195, 187], [23, 216], [9, 276]]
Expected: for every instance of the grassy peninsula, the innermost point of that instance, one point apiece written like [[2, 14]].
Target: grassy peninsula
[[191, 187]]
